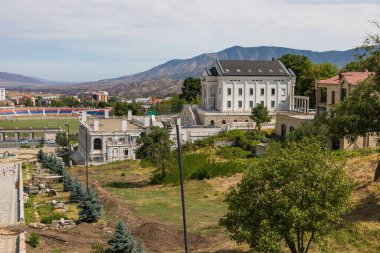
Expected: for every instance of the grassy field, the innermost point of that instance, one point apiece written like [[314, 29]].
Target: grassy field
[[41, 123], [358, 232]]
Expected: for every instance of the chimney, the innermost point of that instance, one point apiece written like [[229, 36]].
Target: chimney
[[124, 125], [84, 115], [340, 76], [129, 117], [96, 125], [366, 70]]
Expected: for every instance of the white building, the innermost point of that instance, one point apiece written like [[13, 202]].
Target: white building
[[2, 94], [237, 86], [231, 88]]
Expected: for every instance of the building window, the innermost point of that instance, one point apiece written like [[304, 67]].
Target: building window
[[283, 102], [273, 91], [251, 104], [126, 152], [291, 129], [229, 91], [333, 97], [273, 104], [229, 104], [343, 94], [240, 91], [283, 92], [97, 144], [251, 91], [212, 122], [223, 122], [240, 104], [262, 102], [262, 91]]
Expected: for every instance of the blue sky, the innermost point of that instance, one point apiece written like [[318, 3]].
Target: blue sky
[[79, 40]]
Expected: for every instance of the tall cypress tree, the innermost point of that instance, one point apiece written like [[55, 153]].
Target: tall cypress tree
[[91, 209]]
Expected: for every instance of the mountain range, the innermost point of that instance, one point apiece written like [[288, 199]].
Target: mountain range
[[166, 78]]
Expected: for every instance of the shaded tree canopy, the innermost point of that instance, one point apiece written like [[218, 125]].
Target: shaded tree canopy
[[191, 89], [292, 196], [155, 146]]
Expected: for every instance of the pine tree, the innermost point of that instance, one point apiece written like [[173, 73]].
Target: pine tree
[[122, 240], [77, 192], [91, 209], [40, 155], [67, 183]]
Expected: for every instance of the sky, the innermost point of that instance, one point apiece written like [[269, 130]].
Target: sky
[[83, 40]]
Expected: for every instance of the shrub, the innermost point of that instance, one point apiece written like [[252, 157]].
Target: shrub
[[200, 174], [157, 178], [231, 153], [97, 247], [34, 240]]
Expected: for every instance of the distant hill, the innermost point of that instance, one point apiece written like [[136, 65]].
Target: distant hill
[[180, 69], [166, 78], [171, 73]]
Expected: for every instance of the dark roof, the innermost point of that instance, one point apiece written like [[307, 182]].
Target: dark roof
[[252, 68]]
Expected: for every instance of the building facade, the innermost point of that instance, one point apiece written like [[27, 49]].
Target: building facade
[[106, 140], [237, 86], [332, 91]]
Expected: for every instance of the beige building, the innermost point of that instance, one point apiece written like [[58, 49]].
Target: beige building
[[335, 89]]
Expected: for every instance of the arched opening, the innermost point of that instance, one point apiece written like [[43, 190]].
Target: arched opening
[[212, 122], [291, 129], [283, 130], [97, 144], [246, 120], [223, 122], [235, 120]]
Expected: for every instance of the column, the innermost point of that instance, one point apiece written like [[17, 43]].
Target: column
[[17, 135]]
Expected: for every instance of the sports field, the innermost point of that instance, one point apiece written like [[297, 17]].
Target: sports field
[[41, 123]]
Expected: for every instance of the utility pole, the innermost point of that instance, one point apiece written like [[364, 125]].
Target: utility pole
[[181, 179], [86, 160]]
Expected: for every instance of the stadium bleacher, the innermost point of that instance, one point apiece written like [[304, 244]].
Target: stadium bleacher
[[49, 111]]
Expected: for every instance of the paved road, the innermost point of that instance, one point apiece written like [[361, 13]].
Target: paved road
[[9, 211]]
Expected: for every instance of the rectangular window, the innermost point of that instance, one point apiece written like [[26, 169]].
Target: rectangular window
[[229, 104], [273, 104], [262, 102], [273, 91], [240, 91], [283, 92], [333, 97], [229, 91], [262, 92], [343, 93], [251, 104], [126, 151], [251, 92], [240, 104]]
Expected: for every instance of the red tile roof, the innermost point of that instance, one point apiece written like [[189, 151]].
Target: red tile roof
[[352, 78]]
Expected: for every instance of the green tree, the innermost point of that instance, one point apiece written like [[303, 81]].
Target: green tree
[[260, 115], [61, 139], [122, 240], [29, 102], [359, 113], [57, 103], [91, 209], [294, 196], [77, 192], [155, 146], [191, 89]]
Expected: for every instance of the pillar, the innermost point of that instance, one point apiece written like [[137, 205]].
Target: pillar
[[2, 136], [17, 135]]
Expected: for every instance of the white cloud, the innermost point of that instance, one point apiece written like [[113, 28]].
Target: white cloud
[[157, 31]]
